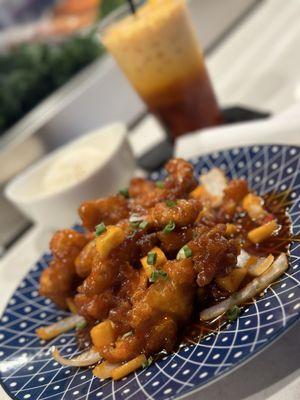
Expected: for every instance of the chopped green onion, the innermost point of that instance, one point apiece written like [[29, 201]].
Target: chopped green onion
[[233, 313], [156, 274], [184, 252], [151, 258], [134, 225], [187, 251], [143, 224], [160, 184], [81, 325], [148, 362], [169, 227], [124, 192], [171, 203], [101, 228]]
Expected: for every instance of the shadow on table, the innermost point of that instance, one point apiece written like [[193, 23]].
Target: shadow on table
[[261, 377]]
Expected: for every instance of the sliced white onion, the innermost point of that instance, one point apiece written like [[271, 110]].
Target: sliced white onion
[[261, 265], [214, 182], [242, 259], [249, 291], [64, 325], [89, 357]]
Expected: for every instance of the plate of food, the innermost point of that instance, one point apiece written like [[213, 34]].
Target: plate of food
[[167, 285]]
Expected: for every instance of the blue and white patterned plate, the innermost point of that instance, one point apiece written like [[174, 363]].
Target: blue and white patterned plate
[[28, 371]]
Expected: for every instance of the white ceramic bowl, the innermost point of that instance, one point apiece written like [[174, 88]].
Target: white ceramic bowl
[[59, 209]]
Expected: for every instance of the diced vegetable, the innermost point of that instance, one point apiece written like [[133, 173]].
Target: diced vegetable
[[242, 259], [89, 357], [184, 252], [230, 229], [128, 367], [104, 370], [169, 227], [156, 274], [233, 280], [198, 193], [160, 184], [108, 240], [233, 313], [103, 334], [64, 325], [249, 291], [160, 260], [148, 362], [254, 206], [124, 192], [214, 182], [101, 228], [263, 232], [261, 265], [71, 305]]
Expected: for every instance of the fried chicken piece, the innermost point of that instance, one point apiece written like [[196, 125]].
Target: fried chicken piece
[[213, 253], [173, 241], [183, 213], [181, 180], [234, 193], [102, 277], [85, 259], [157, 315], [109, 210], [95, 307], [59, 280]]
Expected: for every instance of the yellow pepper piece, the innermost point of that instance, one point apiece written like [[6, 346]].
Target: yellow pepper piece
[[160, 260], [107, 241]]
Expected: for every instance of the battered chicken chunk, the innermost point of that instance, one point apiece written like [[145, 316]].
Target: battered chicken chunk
[[213, 253], [59, 280], [109, 210]]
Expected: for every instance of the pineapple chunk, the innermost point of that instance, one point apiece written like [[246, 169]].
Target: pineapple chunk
[[198, 193], [160, 260], [108, 240], [254, 206], [262, 233], [232, 281], [103, 334]]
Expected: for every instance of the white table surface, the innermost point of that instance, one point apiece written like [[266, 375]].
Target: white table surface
[[261, 76]]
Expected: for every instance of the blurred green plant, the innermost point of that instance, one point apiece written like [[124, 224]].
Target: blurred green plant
[[32, 71]]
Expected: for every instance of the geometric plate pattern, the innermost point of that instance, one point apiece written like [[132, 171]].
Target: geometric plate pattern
[[27, 371]]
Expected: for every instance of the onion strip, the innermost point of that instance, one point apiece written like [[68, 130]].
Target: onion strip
[[249, 291], [89, 357], [64, 325]]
